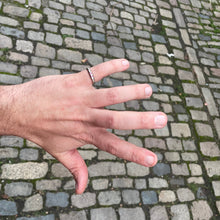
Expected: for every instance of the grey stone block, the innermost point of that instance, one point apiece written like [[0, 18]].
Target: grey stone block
[[149, 197], [84, 200], [18, 189], [130, 196], [109, 198], [76, 215], [8, 208], [103, 214], [29, 71], [59, 199]]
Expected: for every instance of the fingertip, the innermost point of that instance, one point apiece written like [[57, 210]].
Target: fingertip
[[160, 120], [81, 183], [125, 63], [148, 91], [151, 160]]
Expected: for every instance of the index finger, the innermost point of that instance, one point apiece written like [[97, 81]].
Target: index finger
[[102, 70]]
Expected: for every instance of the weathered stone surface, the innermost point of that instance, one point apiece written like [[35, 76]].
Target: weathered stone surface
[[8, 153], [43, 50], [18, 189], [130, 196], [212, 168], [76, 215], [109, 198], [29, 71], [33, 203], [103, 214], [8, 68], [210, 149], [185, 195], [167, 196], [180, 130], [78, 44], [5, 42], [69, 55], [58, 170], [180, 211], [7, 208], [106, 169], [83, 200], [210, 102], [50, 185], [18, 11], [59, 199], [131, 213], [201, 210], [134, 169], [24, 46], [158, 213], [157, 183], [204, 130], [22, 170]]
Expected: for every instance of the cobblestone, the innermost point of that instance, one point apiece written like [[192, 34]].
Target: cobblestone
[[173, 46]]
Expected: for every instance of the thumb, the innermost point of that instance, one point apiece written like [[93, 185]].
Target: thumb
[[73, 161]]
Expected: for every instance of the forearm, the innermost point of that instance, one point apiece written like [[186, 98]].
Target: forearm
[[6, 110]]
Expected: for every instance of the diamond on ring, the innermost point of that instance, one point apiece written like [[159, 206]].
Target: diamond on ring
[[91, 75]]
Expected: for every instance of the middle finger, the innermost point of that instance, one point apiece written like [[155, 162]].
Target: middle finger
[[103, 97]]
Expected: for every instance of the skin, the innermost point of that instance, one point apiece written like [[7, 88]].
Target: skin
[[62, 113]]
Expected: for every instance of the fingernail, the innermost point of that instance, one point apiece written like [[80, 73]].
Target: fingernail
[[125, 63], [160, 121], [148, 91], [150, 160]]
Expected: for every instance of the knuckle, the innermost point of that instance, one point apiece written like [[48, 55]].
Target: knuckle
[[111, 96], [110, 121], [111, 148]]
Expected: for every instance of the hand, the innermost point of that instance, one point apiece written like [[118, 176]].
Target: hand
[[62, 113]]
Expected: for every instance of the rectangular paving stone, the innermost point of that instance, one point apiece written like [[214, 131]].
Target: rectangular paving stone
[[190, 88], [5, 42], [8, 68], [78, 44], [131, 213], [22, 170], [106, 169], [36, 36], [210, 149], [180, 169], [55, 39], [204, 130], [8, 153], [15, 11], [10, 80], [180, 211], [8, 21], [180, 130], [210, 102], [216, 187], [18, 189], [7, 208], [18, 57], [76, 215], [109, 198], [12, 32], [103, 214], [212, 168], [69, 55]]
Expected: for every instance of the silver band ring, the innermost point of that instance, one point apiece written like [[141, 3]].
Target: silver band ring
[[91, 75]]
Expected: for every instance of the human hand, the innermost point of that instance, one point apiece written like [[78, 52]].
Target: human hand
[[62, 113]]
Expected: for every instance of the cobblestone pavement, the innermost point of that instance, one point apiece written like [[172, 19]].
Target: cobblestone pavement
[[174, 45]]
